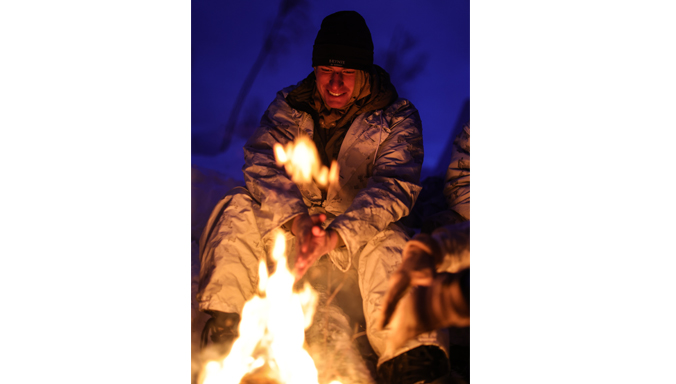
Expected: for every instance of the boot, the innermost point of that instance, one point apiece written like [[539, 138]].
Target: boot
[[424, 364], [222, 329]]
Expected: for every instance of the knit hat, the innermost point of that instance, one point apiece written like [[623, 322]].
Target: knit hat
[[344, 40]]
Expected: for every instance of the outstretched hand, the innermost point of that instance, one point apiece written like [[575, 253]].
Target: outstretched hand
[[312, 241], [417, 269], [419, 299]]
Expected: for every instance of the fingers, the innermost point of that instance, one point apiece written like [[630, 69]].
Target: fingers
[[305, 257], [306, 227], [303, 261], [313, 225], [303, 264], [313, 244], [421, 278], [405, 322], [299, 269], [318, 218], [318, 231], [417, 269], [417, 260], [299, 272], [306, 239], [299, 223], [399, 283]]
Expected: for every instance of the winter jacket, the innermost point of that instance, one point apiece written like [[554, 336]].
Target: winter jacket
[[456, 188], [379, 171]]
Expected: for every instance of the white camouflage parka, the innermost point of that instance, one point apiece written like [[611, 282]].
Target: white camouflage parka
[[379, 170]]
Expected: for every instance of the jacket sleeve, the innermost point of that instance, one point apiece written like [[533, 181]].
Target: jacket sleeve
[[447, 301], [393, 187], [456, 188], [448, 295], [279, 197]]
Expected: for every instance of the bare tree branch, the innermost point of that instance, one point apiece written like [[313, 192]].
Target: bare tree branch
[[401, 60], [273, 43]]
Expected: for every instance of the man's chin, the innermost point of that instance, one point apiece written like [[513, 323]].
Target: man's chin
[[336, 104]]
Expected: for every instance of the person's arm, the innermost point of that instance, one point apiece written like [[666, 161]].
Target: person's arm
[[393, 187], [419, 299], [456, 189], [446, 250], [279, 197]]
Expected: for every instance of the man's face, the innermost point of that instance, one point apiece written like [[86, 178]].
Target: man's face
[[335, 84]]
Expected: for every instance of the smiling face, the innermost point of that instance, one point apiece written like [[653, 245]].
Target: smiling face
[[335, 85]]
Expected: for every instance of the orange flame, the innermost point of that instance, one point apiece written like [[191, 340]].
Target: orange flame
[[272, 330], [302, 164]]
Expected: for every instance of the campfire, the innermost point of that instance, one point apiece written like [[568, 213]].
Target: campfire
[[270, 347], [272, 332]]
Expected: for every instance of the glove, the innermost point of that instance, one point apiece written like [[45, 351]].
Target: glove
[[420, 256], [420, 300]]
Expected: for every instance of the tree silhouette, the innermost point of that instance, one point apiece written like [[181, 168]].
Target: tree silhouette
[[401, 60], [285, 27]]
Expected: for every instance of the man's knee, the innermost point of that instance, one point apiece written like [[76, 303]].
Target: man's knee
[[240, 195]]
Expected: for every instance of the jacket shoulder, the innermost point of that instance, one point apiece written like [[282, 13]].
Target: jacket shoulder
[[280, 108], [401, 105], [285, 91], [400, 110], [280, 97]]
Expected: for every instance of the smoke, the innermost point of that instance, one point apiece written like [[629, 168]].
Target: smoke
[[331, 345]]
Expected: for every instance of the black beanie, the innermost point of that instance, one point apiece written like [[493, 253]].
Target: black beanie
[[344, 40]]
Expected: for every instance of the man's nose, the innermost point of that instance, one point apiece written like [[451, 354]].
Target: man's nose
[[336, 80]]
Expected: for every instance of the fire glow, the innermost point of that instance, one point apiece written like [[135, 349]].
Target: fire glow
[[302, 164], [272, 331]]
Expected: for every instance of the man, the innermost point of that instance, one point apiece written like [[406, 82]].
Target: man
[[352, 112]]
